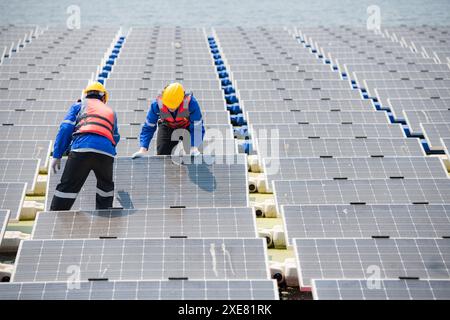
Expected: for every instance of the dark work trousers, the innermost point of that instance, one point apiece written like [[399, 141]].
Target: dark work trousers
[[76, 171], [168, 138]]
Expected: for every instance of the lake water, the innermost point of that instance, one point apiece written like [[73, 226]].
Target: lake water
[[208, 13]]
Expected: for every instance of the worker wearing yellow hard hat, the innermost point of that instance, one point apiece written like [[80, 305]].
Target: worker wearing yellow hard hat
[[90, 133], [173, 110]]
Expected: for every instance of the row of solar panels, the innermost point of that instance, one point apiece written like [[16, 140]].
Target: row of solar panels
[[359, 197]]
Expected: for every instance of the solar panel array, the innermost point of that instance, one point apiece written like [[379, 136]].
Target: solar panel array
[[381, 290], [359, 200], [180, 228], [4, 216], [356, 195]]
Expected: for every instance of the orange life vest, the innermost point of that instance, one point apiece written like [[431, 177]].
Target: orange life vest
[[182, 118], [96, 117]]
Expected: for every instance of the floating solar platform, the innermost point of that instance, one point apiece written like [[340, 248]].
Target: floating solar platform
[[365, 221], [210, 181], [361, 258], [393, 289], [353, 168], [4, 217], [147, 223], [12, 195], [27, 149], [415, 118], [433, 133], [142, 259], [20, 170], [143, 290], [376, 191], [337, 148]]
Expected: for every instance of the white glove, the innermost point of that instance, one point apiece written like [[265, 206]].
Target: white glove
[[56, 165], [195, 152], [139, 154]]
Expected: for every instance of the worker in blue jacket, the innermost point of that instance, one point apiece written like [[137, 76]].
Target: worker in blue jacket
[[90, 131], [173, 110]]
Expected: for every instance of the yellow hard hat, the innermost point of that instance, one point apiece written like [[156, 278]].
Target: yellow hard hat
[[173, 95], [97, 86]]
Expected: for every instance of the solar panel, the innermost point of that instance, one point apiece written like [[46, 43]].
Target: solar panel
[[312, 117], [404, 84], [223, 145], [398, 105], [362, 258], [123, 117], [433, 133], [143, 290], [147, 223], [24, 149], [354, 168], [360, 76], [219, 181], [330, 130], [287, 75], [307, 105], [432, 67], [377, 191], [12, 195], [338, 148], [300, 94], [384, 94], [4, 217], [415, 118], [142, 259], [385, 290], [292, 84], [366, 221], [20, 170]]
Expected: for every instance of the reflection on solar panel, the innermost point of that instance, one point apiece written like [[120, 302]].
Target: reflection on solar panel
[[306, 117], [398, 105], [210, 182], [12, 195], [24, 149], [415, 118], [433, 133], [339, 148], [377, 191], [365, 221], [410, 289], [143, 290], [20, 170], [4, 217], [147, 223], [142, 259], [308, 105], [361, 258], [354, 168]]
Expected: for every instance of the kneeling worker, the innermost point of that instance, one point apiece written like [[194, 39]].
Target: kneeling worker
[[90, 131], [172, 110]]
